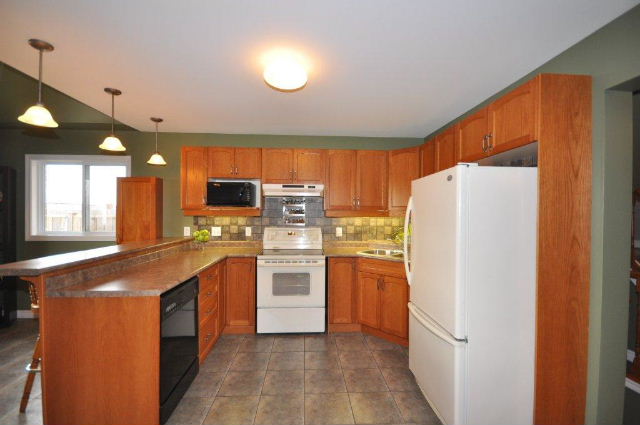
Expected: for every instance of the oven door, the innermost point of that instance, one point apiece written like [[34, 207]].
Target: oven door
[[291, 285]]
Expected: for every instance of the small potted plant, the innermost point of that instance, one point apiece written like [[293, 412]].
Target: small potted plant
[[201, 237]]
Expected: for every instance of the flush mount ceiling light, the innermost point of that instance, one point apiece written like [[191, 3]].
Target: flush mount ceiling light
[[111, 142], [285, 71], [156, 158], [37, 114]]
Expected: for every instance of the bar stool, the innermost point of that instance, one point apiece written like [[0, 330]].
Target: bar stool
[[33, 367]]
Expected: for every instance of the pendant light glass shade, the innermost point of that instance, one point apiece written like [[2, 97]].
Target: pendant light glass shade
[[111, 142], [37, 114], [156, 158]]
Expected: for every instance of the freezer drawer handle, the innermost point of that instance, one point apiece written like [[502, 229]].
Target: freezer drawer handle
[[433, 328]]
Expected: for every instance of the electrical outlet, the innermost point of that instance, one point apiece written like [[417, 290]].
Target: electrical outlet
[[187, 231], [247, 231], [216, 231], [338, 232]]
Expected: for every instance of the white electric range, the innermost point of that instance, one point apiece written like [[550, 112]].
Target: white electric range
[[291, 281]]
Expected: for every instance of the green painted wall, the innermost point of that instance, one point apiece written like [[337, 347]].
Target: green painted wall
[[83, 128], [612, 57]]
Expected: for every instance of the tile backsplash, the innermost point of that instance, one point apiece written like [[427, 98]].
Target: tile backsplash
[[353, 228]]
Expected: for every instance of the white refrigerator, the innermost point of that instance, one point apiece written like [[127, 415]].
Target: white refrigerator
[[472, 270]]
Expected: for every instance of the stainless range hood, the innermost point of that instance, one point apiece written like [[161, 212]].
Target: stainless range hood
[[292, 189]]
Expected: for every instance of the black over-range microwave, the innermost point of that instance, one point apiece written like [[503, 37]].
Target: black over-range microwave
[[231, 194]]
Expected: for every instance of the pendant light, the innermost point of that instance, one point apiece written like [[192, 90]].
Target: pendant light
[[156, 158], [111, 142], [37, 114]]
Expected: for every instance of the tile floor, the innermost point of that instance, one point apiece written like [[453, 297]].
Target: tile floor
[[313, 379]]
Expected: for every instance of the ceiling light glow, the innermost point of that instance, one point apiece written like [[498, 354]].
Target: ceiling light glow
[[285, 71]]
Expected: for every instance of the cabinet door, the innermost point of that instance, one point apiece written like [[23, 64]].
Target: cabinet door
[[394, 313], [512, 118], [340, 189], [220, 162], [277, 165], [404, 167], [372, 180], [472, 133], [342, 290], [193, 177], [248, 163], [308, 165], [139, 209], [428, 151], [445, 149], [369, 299], [241, 292]]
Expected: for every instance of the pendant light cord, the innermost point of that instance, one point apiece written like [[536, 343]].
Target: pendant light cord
[[112, 113], [40, 78], [156, 137]]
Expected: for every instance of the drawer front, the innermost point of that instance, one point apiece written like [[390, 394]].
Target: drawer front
[[207, 310], [208, 332], [209, 280], [207, 301], [383, 267]]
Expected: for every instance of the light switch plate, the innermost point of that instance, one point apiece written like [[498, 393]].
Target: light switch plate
[[187, 231], [216, 231], [338, 232], [247, 231]]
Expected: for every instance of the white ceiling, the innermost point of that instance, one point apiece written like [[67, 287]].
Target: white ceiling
[[378, 67]]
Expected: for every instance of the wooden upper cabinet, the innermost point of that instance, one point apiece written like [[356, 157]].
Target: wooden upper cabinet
[[293, 165], [342, 291], [445, 149], [220, 162], [369, 299], [233, 162], [404, 167], [240, 292], [428, 160], [308, 165], [394, 315], [472, 133], [139, 209], [340, 187], [193, 177], [277, 166], [372, 180], [248, 163], [513, 118]]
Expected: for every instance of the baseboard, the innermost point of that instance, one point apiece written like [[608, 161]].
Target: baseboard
[[25, 314], [384, 335], [632, 385], [631, 355], [234, 329], [344, 327]]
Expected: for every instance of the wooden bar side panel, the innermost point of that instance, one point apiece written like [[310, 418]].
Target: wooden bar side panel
[[564, 249], [102, 360]]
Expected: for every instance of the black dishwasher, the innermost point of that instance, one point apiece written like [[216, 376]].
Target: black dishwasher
[[178, 344]]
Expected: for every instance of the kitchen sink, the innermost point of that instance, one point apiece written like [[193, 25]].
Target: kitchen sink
[[393, 253]]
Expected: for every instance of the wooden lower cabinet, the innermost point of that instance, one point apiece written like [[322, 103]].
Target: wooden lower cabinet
[[394, 297], [240, 300], [342, 294], [383, 294], [209, 301]]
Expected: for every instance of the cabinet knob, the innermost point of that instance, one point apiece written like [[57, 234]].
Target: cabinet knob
[[236, 170], [490, 141], [209, 293]]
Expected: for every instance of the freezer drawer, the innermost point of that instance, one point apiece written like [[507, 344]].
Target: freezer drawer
[[438, 363]]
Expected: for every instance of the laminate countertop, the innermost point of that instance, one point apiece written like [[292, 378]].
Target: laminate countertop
[[154, 277], [38, 266]]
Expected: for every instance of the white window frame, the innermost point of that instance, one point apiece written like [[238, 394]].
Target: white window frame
[[34, 195]]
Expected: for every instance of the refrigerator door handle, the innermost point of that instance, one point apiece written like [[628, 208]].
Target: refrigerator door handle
[[433, 328], [407, 261]]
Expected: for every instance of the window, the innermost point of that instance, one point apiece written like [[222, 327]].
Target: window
[[73, 197]]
